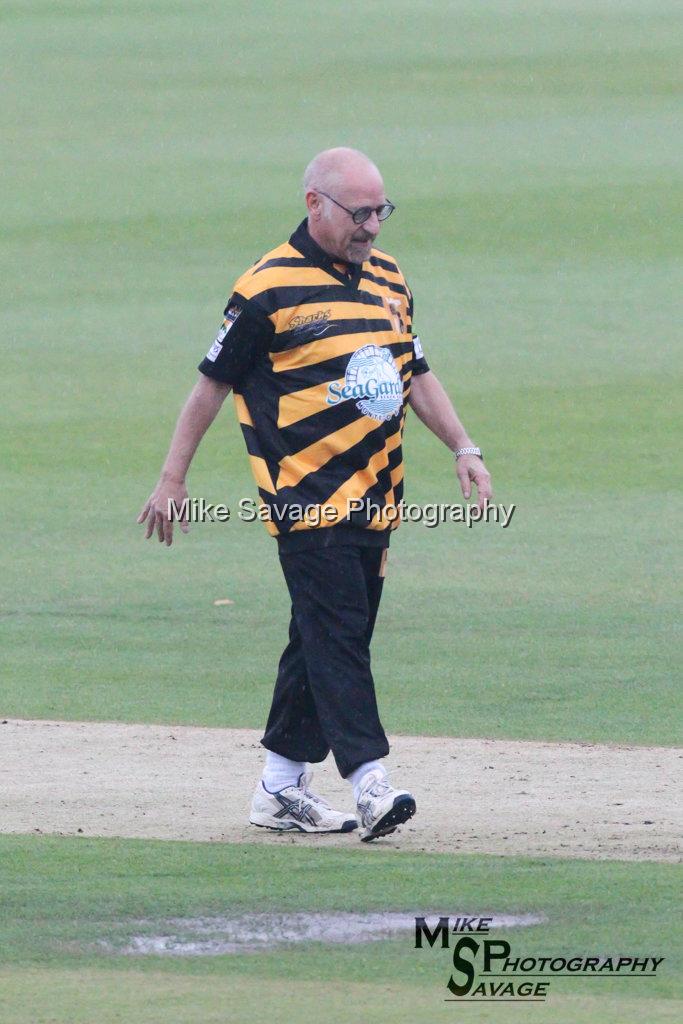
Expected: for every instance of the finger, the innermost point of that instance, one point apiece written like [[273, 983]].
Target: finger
[[144, 513], [168, 532], [160, 527], [184, 524], [483, 482], [484, 489], [465, 483], [150, 524]]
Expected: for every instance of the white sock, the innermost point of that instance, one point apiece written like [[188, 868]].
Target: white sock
[[279, 772], [357, 774]]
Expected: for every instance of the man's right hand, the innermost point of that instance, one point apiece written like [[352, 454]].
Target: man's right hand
[[199, 412], [156, 508]]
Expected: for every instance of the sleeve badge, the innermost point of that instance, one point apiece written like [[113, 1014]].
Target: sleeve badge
[[231, 314]]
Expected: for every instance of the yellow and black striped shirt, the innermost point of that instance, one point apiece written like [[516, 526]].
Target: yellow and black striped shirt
[[320, 355]]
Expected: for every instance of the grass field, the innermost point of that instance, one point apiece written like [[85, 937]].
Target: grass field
[[153, 151], [614, 911]]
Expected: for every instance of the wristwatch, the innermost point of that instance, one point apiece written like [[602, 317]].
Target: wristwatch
[[468, 451]]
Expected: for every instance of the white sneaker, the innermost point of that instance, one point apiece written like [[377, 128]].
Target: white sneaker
[[380, 807], [296, 809]]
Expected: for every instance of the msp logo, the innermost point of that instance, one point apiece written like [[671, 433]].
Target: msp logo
[[373, 380], [486, 970]]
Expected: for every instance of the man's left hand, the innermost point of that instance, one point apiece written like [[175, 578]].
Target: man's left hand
[[471, 469]]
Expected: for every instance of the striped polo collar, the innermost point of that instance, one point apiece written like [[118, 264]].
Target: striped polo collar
[[309, 248]]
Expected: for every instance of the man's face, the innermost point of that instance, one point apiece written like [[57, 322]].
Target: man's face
[[335, 229]]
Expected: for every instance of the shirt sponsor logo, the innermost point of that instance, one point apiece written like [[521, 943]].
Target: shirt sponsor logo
[[231, 314], [314, 330], [314, 325], [417, 347], [372, 380], [301, 321]]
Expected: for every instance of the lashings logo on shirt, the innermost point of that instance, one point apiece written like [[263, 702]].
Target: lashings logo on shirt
[[231, 314], [372, 379]]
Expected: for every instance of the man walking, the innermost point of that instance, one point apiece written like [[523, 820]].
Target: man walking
[[318, 348]]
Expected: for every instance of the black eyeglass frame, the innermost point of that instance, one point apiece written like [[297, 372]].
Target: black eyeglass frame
[[363, 212]]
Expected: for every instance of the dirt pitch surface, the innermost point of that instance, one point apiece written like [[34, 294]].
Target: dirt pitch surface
[[473, 796]]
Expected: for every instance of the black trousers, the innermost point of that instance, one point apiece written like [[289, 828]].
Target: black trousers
[[324, 695]]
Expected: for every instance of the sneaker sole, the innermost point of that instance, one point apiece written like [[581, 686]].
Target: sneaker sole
[[291, 826], [404, 808]]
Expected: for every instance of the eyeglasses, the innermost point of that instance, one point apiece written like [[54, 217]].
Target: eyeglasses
[[364, 213]]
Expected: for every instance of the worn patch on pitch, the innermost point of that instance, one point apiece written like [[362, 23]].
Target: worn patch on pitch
[[249, 933]]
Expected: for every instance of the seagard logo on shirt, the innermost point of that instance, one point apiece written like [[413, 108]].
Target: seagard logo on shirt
[[373, 381]]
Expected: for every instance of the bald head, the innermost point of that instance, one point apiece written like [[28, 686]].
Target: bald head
[[346, 176], [338, 168]]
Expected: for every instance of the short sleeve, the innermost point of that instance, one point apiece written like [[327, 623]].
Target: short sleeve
[[419, 363], [243, 336]]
